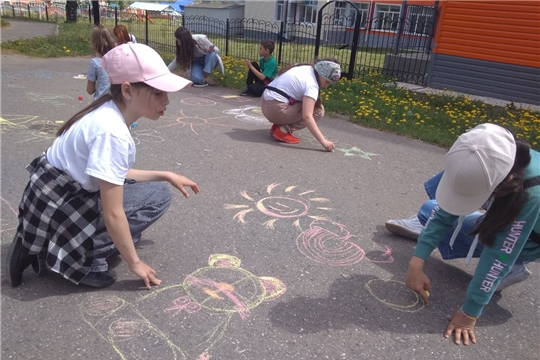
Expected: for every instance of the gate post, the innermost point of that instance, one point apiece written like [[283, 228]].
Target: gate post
[[354, 45]]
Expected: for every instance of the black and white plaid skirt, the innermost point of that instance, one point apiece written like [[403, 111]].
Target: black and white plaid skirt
[[58, 218]]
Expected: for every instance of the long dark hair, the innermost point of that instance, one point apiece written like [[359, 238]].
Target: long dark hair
[[318, 104], [115, 94], [102, 40], [508, 199], [186, 50]]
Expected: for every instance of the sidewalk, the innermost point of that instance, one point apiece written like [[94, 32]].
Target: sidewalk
[[21, 29], [484, 99]]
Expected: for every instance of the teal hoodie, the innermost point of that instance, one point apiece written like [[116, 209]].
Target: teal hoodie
[[511, 244]]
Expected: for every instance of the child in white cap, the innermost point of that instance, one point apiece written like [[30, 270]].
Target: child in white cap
[[293, 100], [486, 168], [84, 202]]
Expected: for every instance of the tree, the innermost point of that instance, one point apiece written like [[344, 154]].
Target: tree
[[71, 11]]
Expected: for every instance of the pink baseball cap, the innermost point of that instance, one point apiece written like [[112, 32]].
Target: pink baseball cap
[[475, 165], [140, 63]]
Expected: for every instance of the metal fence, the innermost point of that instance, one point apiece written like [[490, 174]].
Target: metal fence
[[396, 45]]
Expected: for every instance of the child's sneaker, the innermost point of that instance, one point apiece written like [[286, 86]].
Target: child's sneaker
[[201, 84], [244, 92], [517, 274], [273, 128], [409, 228], [285, 137]]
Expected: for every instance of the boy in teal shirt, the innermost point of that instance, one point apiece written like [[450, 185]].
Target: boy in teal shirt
[[260, 76]]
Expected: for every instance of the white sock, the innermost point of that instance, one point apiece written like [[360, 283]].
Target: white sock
[[283, 129]]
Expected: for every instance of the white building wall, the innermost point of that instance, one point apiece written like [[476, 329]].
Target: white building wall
[[264, 10]]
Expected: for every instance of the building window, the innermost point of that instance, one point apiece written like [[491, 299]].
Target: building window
[[280, 10], [420, 20], [386, 17], [307, 11], [345, 14]]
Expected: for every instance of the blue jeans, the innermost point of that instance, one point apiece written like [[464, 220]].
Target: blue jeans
[[144, 204], [205, 64], [463, 241]]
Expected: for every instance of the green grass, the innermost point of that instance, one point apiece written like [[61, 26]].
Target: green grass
[[4, 22], [372, 101]]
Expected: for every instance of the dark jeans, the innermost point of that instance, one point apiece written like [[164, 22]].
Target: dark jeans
[[255, 85]]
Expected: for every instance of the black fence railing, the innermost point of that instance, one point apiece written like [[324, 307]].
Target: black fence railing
[[396, 46]]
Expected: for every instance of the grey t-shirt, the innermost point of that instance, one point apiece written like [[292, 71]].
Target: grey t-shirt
[[97, 74]]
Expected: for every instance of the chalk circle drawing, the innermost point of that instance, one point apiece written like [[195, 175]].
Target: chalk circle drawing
[[52, 99], [198, 102], [148, 135], [291, 205], [207, 301], [248, 113], [194, 121], [395, 294], [9, 216], [330, 243]]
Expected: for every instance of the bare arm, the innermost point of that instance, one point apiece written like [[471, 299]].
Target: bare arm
[[308, 106], [178, 181], [90, 87], [118, 228], [257, 73]]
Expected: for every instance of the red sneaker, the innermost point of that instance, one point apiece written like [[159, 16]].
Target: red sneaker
[[273, 128], [285, 137]]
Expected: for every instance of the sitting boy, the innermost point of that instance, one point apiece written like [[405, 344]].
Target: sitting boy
[[259, 77]]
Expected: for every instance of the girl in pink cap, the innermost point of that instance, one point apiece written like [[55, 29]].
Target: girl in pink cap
[[84, 201]]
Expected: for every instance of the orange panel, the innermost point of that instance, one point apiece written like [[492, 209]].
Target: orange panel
[[506, 32]]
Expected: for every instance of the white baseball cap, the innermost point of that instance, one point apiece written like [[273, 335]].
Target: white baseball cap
[[140, 63], [475, 165]]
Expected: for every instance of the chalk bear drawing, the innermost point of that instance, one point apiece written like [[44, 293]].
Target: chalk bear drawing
[[192, 316]]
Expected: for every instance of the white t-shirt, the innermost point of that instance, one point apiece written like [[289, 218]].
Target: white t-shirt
[[297, 82], [97, 147]]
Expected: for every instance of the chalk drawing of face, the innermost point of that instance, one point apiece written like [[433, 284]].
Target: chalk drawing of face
[[330, 243], [395, 294], [288, 205], [248, 113], [192, 316]]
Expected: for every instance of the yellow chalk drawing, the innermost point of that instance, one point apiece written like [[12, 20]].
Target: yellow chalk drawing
[[399, 288], [29, 127], [208, 297], [280, 207]]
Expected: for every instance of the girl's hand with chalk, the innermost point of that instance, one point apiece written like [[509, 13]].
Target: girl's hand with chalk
[[417, 280]]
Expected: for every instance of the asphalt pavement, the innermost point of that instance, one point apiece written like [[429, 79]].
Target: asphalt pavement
[[283, 254]]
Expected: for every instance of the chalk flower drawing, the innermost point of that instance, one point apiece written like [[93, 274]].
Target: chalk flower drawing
[[292, 205], [194, 121], [206, 301]]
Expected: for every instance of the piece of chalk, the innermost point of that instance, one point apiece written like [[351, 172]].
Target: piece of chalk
[[80, 97], [427, 293]]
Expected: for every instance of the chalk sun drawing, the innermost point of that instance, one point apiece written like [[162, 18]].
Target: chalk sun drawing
[[248, 113], [207, 301], [194, 122], [394, 294], [292, 204]]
